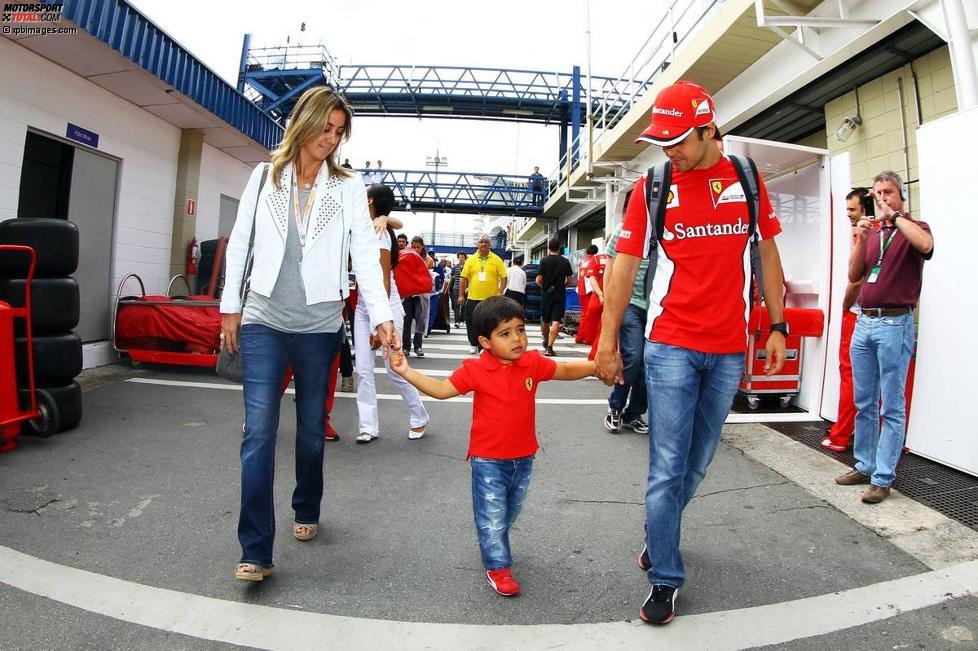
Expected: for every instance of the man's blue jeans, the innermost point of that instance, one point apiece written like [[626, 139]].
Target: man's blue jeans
[[690, 394], [498, 490], [265, 354], [880, 353], [631, 345]]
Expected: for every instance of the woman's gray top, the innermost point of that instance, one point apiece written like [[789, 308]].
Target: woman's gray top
[[286, 308]]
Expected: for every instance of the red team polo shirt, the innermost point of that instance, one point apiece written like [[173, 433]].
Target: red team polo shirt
[[596, 269], [700, 295], [504, 405]]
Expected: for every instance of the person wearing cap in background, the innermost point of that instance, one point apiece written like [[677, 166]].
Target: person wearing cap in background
[[697, 327]]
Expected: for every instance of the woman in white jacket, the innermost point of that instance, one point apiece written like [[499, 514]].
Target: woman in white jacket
[[306, 219], [380, 199]]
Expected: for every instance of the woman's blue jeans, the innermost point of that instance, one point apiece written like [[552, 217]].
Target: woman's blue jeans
[[266, 353], [498, 490], [690, 394], [880, 352]]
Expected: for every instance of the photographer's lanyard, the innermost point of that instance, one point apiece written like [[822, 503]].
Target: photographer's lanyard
[[482, 274], [884, 245], [302, 216]]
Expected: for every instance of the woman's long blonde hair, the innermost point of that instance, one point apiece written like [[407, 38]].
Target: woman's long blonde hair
[[309, 118]]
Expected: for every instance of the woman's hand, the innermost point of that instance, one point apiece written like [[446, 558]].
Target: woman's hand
[[230, 323], [380, 224], [387, 334]]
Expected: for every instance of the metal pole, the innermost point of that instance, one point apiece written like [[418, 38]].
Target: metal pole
[[590, 106], [243, 66], [575, 119], [962, 54]]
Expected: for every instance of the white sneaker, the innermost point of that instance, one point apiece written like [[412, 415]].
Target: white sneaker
[[414, 436], [364, 437]]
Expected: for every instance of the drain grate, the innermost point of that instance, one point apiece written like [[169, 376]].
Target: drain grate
[[949, 491]]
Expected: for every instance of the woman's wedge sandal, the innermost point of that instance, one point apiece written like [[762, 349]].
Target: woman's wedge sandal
[[251, 572], [304, 531]]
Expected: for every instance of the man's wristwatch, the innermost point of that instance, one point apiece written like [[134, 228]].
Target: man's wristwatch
[[780, 327]]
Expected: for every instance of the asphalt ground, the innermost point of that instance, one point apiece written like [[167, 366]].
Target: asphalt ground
[[146, 490]]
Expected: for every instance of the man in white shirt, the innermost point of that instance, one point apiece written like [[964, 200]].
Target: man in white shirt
[[516, 288]]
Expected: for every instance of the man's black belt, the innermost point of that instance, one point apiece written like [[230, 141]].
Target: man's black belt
[[877, 312]]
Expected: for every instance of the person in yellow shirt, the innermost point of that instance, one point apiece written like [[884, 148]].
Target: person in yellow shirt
[[483, 275]]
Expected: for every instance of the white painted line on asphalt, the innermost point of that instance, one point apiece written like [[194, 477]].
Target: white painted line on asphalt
[[341, 394], [452, 346], [732, 418], [434, 372], [266, 627], [559, 358]]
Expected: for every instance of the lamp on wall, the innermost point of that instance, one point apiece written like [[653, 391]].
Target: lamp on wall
[[849, 123]]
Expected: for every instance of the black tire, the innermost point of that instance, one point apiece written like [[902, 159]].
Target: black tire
[[55, 241], [67, 401], [54, 303], [57, 359]]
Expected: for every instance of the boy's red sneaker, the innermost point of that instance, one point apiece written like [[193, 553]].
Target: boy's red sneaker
[[502, 581]]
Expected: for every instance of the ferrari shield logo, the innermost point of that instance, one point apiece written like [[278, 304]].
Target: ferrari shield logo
[[529, 384], [717, 187]]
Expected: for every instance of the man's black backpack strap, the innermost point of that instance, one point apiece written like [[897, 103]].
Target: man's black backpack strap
[[747, 173], [657, 183]]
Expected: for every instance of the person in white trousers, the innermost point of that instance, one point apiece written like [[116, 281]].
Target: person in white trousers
[[380, 201]]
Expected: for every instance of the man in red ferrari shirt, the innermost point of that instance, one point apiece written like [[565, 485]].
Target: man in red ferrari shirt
[[697, 318], [585, 332]]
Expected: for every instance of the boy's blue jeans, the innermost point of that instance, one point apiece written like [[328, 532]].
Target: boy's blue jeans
[[266, 353], [498, 490]]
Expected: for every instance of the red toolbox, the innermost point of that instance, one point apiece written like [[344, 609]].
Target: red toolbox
[[802, 322]]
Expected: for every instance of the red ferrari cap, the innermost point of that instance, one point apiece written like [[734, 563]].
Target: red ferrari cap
[[678, 110]]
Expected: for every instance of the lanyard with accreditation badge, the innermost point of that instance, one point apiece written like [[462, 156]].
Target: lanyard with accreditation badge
[[884, 245], [302, 215], [482, 274]]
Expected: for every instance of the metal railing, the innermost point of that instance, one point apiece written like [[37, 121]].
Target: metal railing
[[653, 57], [293, 57], [475, 82], [470, 192]]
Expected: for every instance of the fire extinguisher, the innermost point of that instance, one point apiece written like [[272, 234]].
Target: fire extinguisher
[[193, 256]]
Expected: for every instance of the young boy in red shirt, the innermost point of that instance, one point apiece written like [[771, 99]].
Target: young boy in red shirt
[[503, 438]]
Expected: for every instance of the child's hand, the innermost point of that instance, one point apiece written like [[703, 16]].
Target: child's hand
[[399, 363]]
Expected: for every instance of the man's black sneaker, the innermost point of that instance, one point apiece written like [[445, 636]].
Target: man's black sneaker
[[660, 606], [612, 421], [637, 425], [644, 561]]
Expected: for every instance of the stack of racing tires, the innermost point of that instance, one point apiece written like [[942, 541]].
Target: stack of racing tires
[[54, 313], [532, 309]]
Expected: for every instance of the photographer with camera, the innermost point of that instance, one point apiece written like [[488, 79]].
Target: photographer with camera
[[889, 261]]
